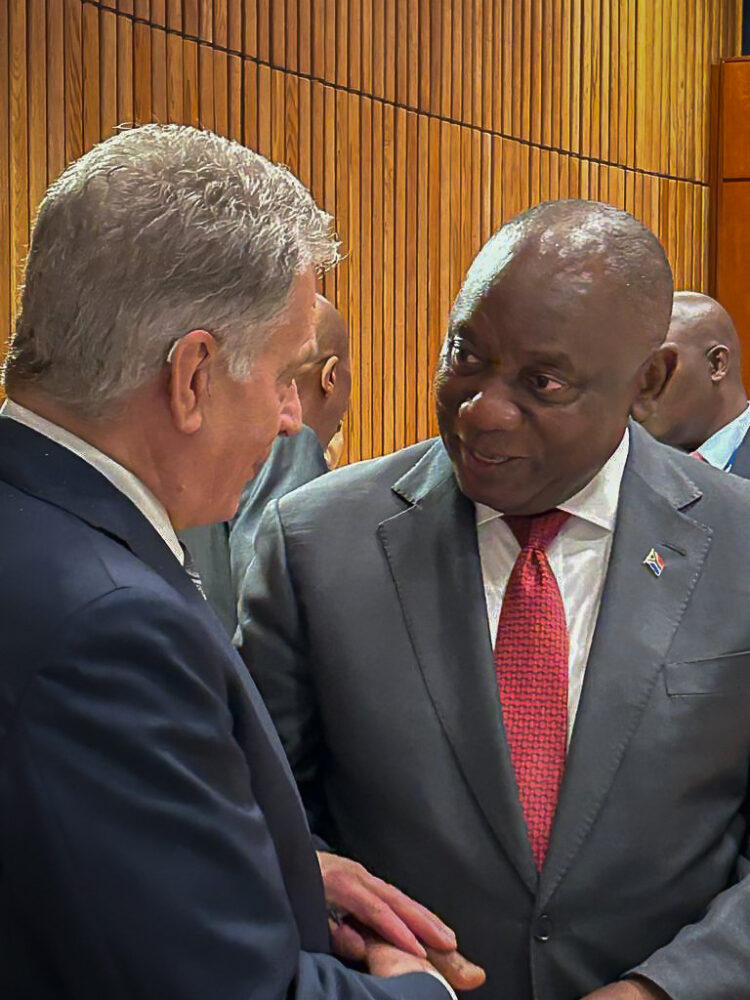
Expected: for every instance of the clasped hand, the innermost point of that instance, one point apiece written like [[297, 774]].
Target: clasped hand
[[387, 930]]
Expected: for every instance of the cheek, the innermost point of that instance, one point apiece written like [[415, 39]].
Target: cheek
[[449, 392]]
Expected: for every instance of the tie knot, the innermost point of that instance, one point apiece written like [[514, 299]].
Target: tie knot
[[537, 531]]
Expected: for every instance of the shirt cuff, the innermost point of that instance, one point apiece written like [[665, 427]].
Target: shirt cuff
[[444, 981]]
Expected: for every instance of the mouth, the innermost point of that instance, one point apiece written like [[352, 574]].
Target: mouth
[[479, 459]]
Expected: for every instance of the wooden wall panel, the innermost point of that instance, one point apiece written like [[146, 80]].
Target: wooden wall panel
[[419, 124], [731, 196]]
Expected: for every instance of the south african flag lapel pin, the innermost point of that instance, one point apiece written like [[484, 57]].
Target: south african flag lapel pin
[[655, 562]]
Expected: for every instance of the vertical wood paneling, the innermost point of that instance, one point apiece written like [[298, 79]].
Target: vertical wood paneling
[[420, 125], [18, 133], [6, 259]]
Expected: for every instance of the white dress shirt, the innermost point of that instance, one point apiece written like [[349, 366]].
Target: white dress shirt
[[124, 480], [722, 446], [579, 558]]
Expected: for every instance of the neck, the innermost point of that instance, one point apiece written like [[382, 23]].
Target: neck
[[128, 438], [732, 407]]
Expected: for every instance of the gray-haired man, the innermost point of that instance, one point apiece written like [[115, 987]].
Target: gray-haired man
[[152, 843]]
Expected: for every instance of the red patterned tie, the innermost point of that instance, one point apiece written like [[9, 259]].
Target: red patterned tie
[[531, 662]]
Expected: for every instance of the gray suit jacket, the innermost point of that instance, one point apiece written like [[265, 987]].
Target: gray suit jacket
[[223, 551], [367, 633]]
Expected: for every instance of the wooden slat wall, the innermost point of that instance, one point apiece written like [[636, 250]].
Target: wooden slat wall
[[731, 196], [419, 124]]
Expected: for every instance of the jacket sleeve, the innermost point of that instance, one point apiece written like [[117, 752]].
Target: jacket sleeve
[[708, 960], [131, 836]]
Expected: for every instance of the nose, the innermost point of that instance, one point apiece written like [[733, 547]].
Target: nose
[[290, 419], [490, 409]]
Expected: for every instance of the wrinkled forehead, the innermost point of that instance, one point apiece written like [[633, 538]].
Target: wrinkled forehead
[[558, 276]]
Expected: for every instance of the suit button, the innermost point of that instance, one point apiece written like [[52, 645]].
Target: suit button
[[542, 927]]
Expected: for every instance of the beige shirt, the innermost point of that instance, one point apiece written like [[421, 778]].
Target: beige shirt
[[579, 558], [124, 480]]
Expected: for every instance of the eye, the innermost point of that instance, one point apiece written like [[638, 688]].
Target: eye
[[546, 384], [462, 357]]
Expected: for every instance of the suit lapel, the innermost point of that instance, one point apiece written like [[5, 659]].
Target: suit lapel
[[41, 467], [639, 616], [433, 557]]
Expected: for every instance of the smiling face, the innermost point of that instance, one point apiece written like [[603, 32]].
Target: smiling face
[[539, 373]]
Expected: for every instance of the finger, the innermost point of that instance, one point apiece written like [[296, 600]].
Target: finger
[[459, 971], [347, 943], [385, 960], [421, 921], [377, 915]]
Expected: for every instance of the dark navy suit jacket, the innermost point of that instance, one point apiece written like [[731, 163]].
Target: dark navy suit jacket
[[152, 842]]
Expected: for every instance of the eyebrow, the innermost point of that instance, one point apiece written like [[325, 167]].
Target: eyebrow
[[536, 356]]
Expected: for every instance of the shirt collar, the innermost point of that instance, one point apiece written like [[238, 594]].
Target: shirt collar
[[120, 477], [597, 501], [720, 448]]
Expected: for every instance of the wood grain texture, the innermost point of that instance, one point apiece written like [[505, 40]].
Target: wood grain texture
[[730, 196], [420, 125]]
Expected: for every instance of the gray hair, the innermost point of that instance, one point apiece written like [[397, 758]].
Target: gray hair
[[153, 233]]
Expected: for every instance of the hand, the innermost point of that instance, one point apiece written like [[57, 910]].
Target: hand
[[629, 989], [384, 960], [380, 907]]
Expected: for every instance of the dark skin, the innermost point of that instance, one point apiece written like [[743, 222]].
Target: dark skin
[[706, 392], [324, 384], [548, 353], [535, 388]]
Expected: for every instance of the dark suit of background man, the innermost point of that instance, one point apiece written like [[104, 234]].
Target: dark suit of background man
[[223, 551], [704, 409], [152, 842], [513, 672]]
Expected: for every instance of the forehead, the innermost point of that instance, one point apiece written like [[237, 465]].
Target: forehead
[[293, 339], [570, 309]]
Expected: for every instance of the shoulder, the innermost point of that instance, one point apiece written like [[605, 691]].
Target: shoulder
[[709, 496], [63, 583], [363, 488]]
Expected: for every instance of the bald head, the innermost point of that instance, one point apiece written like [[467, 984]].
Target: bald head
[[324, 383], [574, 249], [702, 322], [331, 331], [706, 390]]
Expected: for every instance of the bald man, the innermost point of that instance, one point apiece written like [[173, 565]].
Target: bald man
[[222, 552], [704, 407], [511, 666]]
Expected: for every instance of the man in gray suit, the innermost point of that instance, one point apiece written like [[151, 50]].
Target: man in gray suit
[[512, 673], [222, 551]]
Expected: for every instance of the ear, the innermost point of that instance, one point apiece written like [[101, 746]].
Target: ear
[[718, 362], [655, 378], [328, 375], [191, 361]]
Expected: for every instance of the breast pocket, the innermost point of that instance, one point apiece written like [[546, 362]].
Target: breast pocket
[[718, 676]]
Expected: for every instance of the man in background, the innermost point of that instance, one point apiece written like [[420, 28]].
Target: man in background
[[152, 842], [223, 551], [511, 666], [704, 408]]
